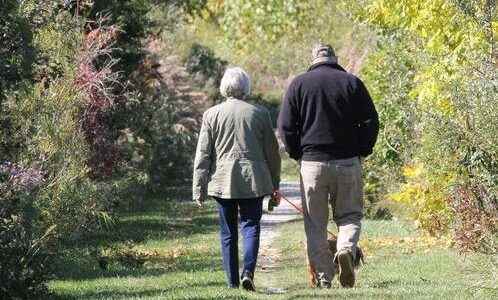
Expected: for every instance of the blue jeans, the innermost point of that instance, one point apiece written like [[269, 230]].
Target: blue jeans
[[250, 217]]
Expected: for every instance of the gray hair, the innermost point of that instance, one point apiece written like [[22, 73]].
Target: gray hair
[[235, 83]]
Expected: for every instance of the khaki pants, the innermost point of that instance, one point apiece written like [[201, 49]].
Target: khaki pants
[[338, 182]]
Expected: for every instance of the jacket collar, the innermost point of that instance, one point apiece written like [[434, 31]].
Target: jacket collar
[[326, 63], [233, 99]]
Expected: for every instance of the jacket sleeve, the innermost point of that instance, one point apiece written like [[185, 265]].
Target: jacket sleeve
[[288, 124], [203, 161], [368, 120], [271, 150]]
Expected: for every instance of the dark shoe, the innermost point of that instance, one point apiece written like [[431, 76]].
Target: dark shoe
[[346, 268], [324, 284], [248, 281]]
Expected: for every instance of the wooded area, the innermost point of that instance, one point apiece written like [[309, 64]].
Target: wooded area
[[101, 103]]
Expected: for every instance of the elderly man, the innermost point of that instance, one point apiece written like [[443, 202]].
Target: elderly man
[[238, 163], [329, 123]]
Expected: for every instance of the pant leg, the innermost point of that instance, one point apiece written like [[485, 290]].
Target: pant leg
[[251, 211], [348, 202], [229, 239], [315, 179]]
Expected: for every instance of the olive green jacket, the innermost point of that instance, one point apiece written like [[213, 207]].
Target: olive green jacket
[[237, 153]]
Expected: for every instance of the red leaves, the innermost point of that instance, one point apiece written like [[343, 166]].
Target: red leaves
[[97, 81]]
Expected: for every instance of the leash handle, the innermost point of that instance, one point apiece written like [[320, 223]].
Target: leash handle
[[301, 211]]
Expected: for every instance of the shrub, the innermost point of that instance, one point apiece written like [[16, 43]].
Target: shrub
[[388, 74], [476, 221], [207, 69], [451, 163], [15, 67], [46, 113], [25, 259], [426, 196], [97, 81]]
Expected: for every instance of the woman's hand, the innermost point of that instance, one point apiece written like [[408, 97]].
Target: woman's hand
[[274, 200], [276, 196], [200, 202]]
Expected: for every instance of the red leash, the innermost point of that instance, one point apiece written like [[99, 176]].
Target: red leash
[[300, 210]]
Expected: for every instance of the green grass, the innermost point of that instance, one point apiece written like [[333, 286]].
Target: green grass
[[187, 260], [186, 264], [290, 169], [399, 265]]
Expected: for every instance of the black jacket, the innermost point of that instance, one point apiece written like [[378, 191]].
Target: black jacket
[[327, 114]]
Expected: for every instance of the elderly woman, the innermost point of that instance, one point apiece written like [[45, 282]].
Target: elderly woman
[[237, 162]]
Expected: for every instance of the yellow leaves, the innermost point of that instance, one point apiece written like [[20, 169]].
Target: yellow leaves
[[377, 12], [426, 194], [47, 146], [438, 24], [412, 171], [404, 245], [431, 89], [175, 253]]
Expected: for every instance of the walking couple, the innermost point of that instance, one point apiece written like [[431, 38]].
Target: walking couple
[[328, 123]]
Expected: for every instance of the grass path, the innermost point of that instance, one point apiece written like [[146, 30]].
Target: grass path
[[269, 252], [181, 246]]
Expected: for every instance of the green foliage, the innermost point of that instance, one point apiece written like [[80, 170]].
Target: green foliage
[[25, 259], [201, 60], [15, 67], [65, 109], [156, 149], [25, 262], [193, 7], [44, 114], [207, 69], [268, 20], [447, 102], [272, 40], [130, 16], [15, 40], [388, 72]]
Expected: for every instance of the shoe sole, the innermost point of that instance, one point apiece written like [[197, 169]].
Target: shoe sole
[[248, 285], [346, 270]]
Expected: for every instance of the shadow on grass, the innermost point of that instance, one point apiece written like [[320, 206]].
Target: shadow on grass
[[166, 219], [154, 292], [162, 220]]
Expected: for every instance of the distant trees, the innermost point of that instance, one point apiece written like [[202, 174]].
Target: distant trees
[[432, 72]]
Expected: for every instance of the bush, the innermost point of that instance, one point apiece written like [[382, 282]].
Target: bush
[[25, 259], [207, 69], [97, 82], [15, 67], [476, 222], [65, 108], [450, 161], [46, 113], [388, 74]]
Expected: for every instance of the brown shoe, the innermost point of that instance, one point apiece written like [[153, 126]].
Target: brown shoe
[[346, 268]]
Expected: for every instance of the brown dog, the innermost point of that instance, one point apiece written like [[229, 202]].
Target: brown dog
[[313, 276]]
